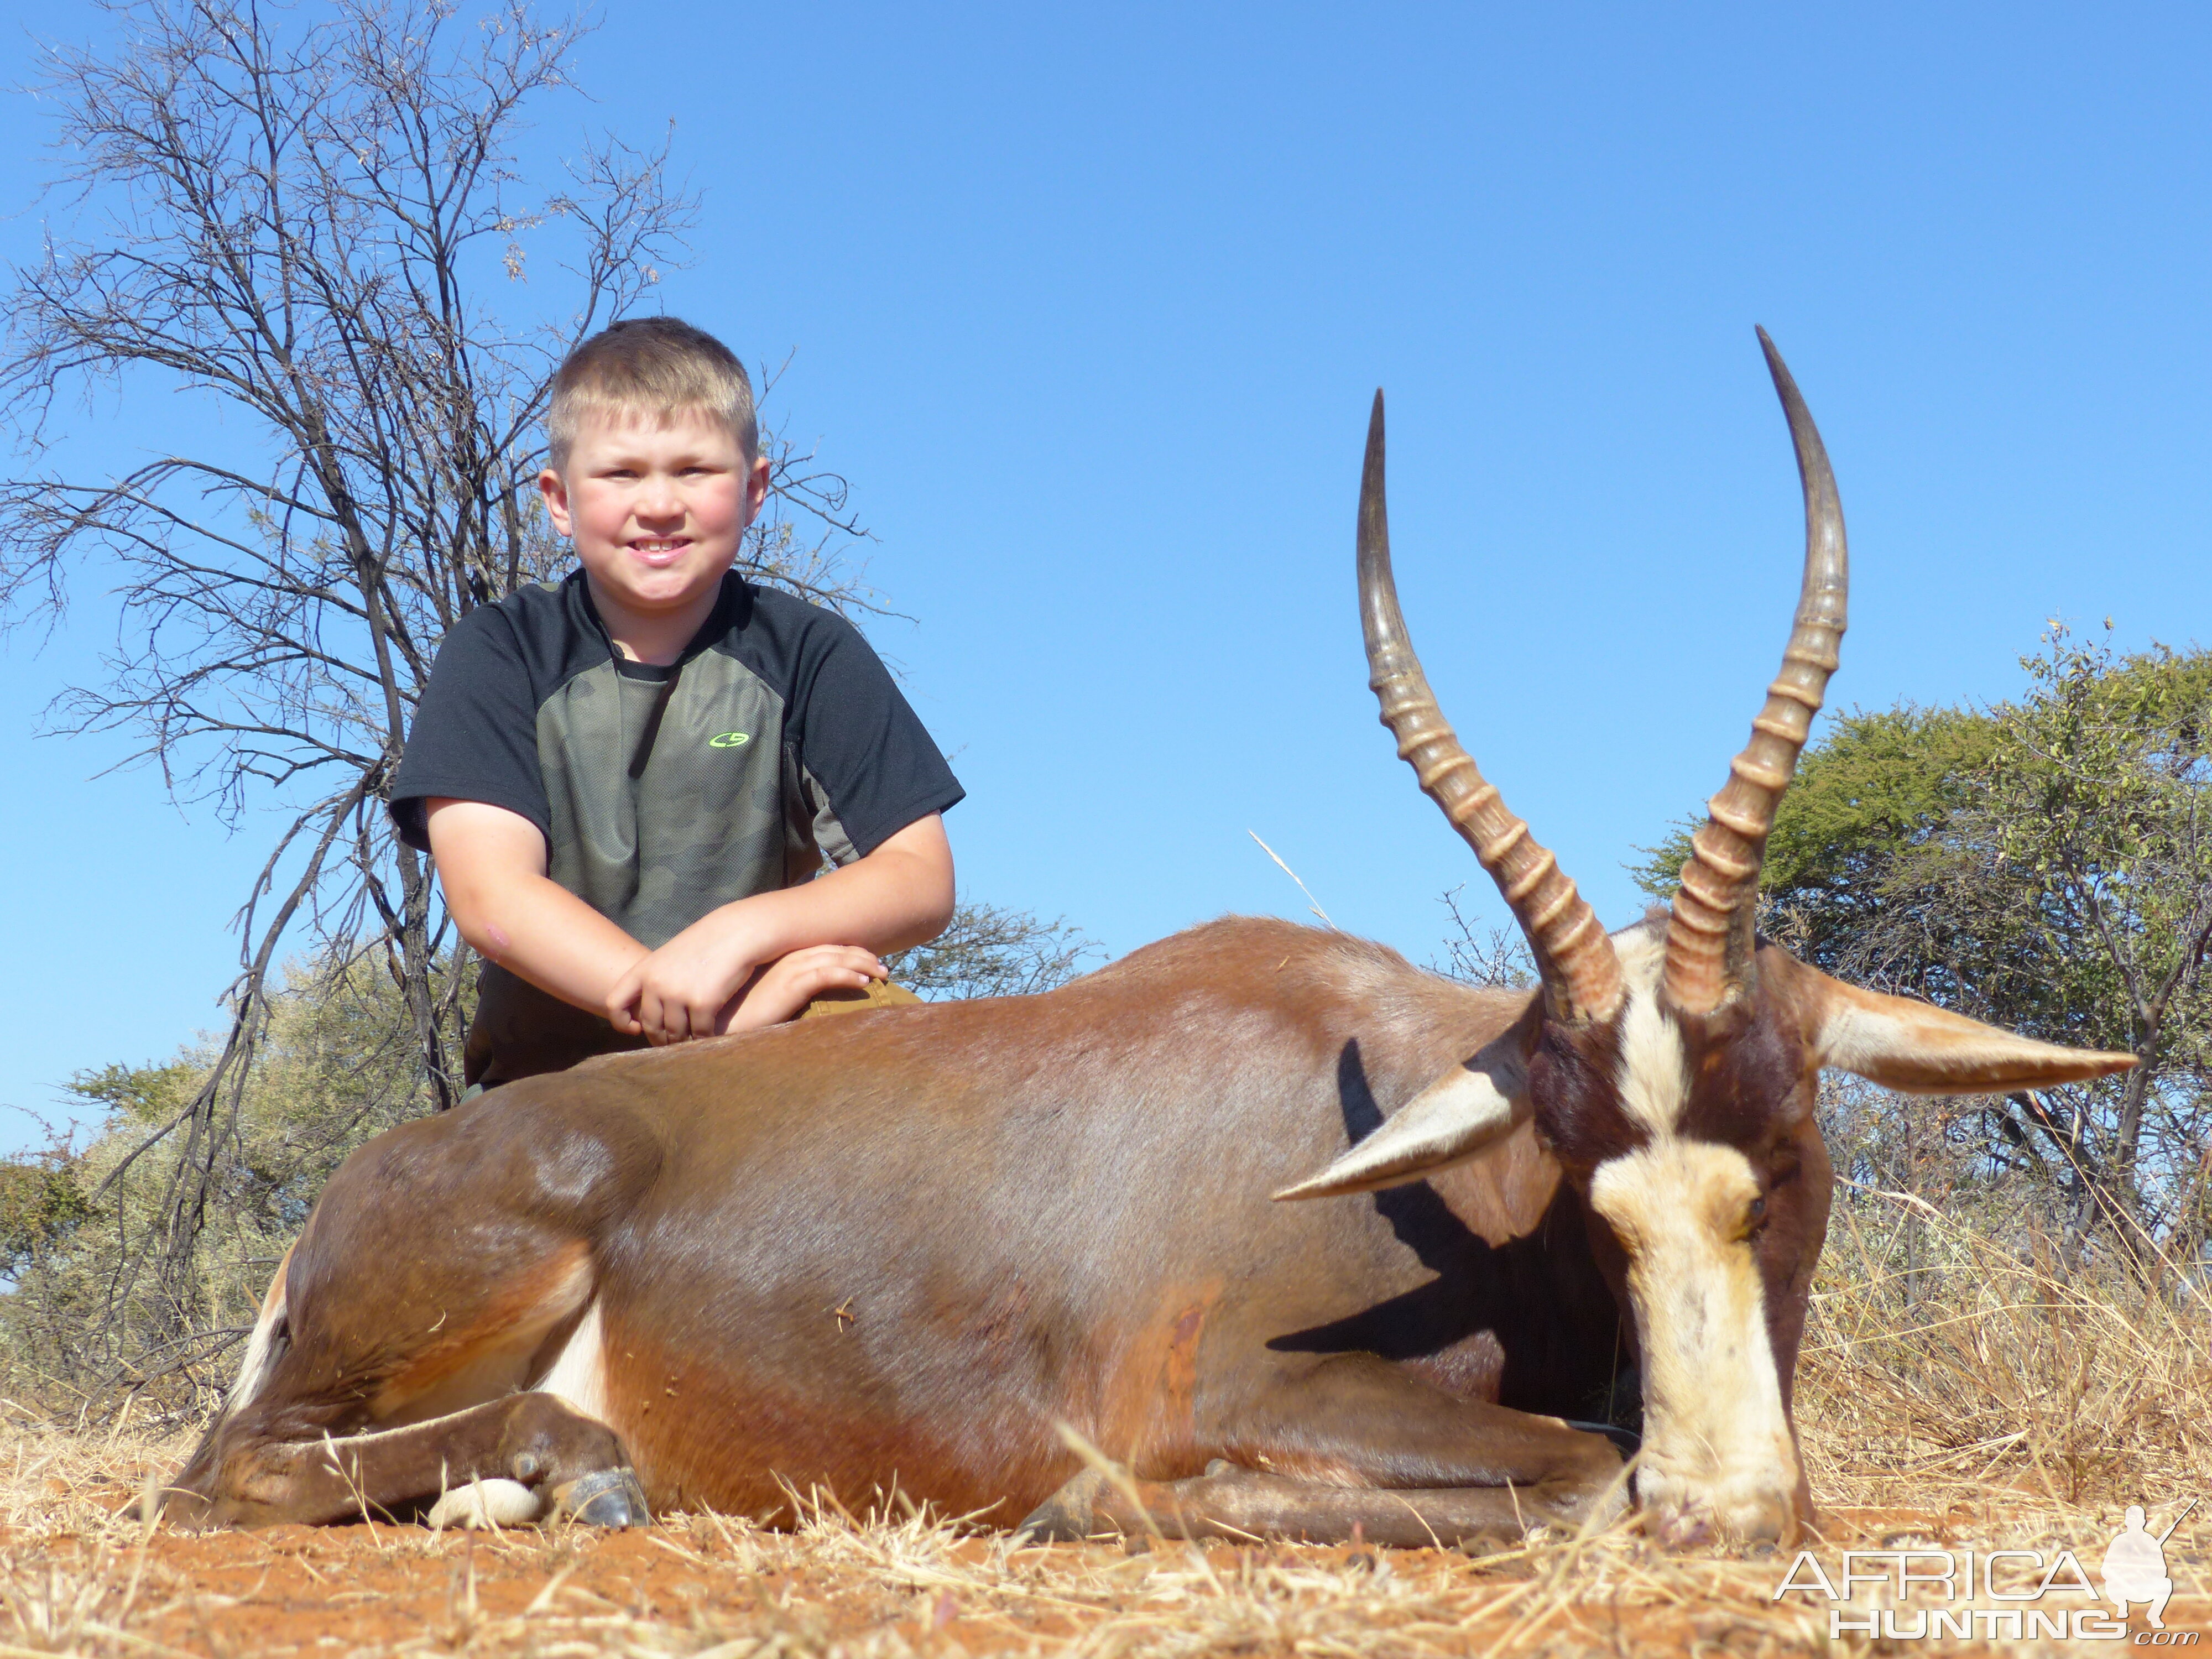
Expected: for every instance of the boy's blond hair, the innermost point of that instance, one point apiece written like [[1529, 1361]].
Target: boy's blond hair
[[654, 366]]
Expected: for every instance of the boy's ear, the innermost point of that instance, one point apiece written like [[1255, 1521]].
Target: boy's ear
[[757, 479], [554, 491]]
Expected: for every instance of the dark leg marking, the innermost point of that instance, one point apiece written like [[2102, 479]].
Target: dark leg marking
[[250, 1477]]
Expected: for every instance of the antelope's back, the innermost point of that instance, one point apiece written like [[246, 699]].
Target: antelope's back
[[1148, 1109], [915, 1239]]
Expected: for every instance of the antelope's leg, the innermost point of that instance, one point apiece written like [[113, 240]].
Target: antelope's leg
[[1356, 1440], [525, 1455], [1228, 1502], [446, 1265]]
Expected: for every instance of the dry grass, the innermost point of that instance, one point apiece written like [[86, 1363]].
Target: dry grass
[[1941, 1366], [1979, 1398]]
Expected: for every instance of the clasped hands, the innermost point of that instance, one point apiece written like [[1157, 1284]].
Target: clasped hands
[[719, 976]]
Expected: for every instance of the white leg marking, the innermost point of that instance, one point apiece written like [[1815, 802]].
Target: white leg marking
[[578, 1376], [482, 1504], [497, 1361], [253, 1371]]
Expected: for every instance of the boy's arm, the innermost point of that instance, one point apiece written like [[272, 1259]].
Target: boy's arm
[[762, 959], [491, 864]]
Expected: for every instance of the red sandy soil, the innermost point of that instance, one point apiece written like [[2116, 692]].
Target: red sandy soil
[[701, 1585]]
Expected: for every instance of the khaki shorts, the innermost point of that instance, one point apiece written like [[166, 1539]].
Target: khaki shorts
[[521, 1031]]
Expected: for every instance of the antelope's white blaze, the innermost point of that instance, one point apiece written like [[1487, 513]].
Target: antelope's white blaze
[[578, 1376], [1717, 1450], [1655, 1072], [1717, 1443]]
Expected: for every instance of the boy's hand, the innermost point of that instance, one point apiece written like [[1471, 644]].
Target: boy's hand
[[781, 990], [760, 960], [681, 990], [705, 981]]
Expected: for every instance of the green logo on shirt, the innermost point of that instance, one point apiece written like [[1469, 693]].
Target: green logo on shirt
[[729, 740]]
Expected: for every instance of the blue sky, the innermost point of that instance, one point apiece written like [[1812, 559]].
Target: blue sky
[[1089, 302]]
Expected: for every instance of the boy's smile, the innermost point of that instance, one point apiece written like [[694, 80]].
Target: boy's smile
[[658, 509]]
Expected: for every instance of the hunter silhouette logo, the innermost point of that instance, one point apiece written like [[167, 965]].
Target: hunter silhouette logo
[[2135, 1565], [729, 740], [1920, 1594]]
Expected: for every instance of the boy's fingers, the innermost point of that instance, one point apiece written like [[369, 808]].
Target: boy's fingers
[[850, 957], [837, 976], [625, 1004]]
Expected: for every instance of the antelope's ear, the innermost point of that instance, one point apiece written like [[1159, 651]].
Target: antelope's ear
[[1463, 1111], [1919, 1048]]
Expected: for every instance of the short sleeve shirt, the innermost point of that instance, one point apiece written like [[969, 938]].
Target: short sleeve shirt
[[777, 740]]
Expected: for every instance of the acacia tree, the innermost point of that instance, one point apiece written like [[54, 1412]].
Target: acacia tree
[[2046, 865], [987, 951], [2099, 887], [318, 226]]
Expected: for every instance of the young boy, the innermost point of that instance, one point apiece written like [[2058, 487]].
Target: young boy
[[629, 779]]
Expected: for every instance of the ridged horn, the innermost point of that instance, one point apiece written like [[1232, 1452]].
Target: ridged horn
[[1710, 936], [1581, 975]]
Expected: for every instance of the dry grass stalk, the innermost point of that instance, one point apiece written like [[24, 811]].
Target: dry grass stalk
[[1980, 1397], [1985, 1367]]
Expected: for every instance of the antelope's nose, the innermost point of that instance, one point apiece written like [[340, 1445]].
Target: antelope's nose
[[1756, 1517]]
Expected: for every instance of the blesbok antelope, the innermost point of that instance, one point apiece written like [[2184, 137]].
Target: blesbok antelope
[[908, 1246]]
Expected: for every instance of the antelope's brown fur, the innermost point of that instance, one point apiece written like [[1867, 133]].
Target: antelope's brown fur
[[906, 1245], [909, 1246]]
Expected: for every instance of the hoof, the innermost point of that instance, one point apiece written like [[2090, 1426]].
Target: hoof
[[1066, 1517], [1626, 1442], [605, 1498]]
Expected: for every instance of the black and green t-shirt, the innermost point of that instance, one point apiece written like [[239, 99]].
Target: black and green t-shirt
[[777, 740]]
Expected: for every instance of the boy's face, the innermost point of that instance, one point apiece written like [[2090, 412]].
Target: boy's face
[[657, 509]]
